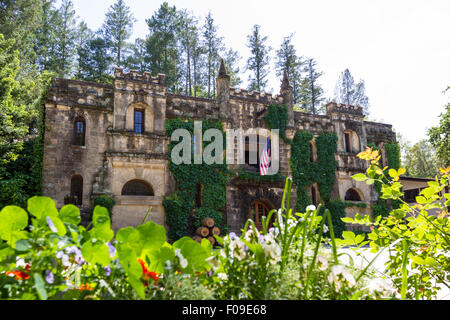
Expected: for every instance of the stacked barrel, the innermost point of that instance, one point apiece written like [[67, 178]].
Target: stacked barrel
[[207, 231]]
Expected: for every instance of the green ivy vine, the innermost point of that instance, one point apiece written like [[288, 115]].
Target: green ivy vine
[[213, 179]]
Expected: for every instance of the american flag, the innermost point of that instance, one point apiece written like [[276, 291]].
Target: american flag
[[264, 162]]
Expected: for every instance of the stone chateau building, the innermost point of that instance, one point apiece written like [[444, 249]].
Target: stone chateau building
[[110, 139]]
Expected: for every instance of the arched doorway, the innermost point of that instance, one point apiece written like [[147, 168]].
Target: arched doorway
[[257, 210], [137, 188]]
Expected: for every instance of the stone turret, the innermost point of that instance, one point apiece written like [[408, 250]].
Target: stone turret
[[286, 93], [223, 91]]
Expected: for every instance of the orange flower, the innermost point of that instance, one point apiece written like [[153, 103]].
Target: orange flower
[[146, 273], [18, 275], [86, 286]]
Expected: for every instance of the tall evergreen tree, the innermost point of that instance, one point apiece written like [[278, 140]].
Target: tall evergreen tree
[[62, 59], [95, 61], [136, 59], [19, 20], [259, 59], [288, 61], [311, 93], [118, 27], [213, 46], [162, 47], [351, 93], [439, 136], [231, 60]]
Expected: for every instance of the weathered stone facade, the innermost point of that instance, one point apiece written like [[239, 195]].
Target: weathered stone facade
[[112, 154]]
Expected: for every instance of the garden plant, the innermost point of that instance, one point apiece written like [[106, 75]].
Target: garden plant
[[47, 254]]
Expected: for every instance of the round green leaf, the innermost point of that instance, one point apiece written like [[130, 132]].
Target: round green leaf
[[41, 207], [70, 214]]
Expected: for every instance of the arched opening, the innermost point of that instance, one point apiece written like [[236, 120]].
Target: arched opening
[[79, 132], [76, 190], [137, 188], [257, 210], [351, 141], [352, 195]]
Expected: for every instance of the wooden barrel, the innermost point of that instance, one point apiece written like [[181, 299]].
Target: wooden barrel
[[212, 240], [208, 222], [215, 231], [202, 231]]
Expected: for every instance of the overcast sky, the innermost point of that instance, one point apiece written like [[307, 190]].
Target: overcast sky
[[401, 49]]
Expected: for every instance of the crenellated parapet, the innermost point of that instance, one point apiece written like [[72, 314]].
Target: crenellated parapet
[[74, 93], [255, 96], [146, 77], [335, 109]]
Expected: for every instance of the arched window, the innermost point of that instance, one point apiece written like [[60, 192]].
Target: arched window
[[137, 188], [258, 209], [79, 132], [351, 141], [352, 195], [76, 190]]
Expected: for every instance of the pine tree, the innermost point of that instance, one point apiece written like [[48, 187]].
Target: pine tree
[[351, 93], [213, 45], [162, 46], [19, 20], [118, 27], [311, 93], [289, 62], [136, 59], [95, 61], [62, 59], [231, 59], [259, 59]]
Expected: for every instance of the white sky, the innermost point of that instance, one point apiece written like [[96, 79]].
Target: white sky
[[401, 49]]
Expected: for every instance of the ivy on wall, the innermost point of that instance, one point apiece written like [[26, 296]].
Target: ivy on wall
[[212, 177], [276, 118]]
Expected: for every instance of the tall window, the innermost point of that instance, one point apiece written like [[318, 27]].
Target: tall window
[[76, 190], [139, 120], [79, 132], [348, 146]]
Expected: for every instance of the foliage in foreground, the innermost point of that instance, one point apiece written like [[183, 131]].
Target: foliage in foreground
[[56, 258]]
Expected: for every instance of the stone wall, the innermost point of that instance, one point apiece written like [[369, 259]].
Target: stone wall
[[114, 154]]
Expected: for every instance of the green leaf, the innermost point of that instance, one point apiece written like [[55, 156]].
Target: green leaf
[[39, 284], [348, 235], [102, 232], [41, 207], [23, 245], [370, 181], [137, 286], [393, 173], [100, 216], [96, 252], [421, 200], [70, 214], [128, 260], [153, 235], [348, 220], [158, 258], [12, 220], [359, 177]]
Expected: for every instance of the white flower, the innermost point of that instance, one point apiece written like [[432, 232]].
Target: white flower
[[274, 231], [222, 276], [269, 238], [379, 285], [311, 208], [237, 249], [249, 235], [213, 261], [325, 229], [273, 251], [322, 263], [338, 274], [183, 261]]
